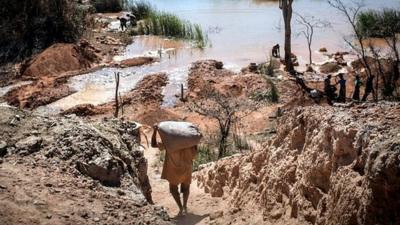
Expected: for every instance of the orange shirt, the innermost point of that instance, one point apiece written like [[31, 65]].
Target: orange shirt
[[178, 165]]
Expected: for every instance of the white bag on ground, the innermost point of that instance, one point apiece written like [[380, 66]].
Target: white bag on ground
[[179, 135]]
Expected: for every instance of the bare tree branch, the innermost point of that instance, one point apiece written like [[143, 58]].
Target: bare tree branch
[[226, 110], [309, 24]]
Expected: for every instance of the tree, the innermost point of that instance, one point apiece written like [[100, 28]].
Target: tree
[[351, 12], [390, 25], [225, 109], [29, 26], [116, 76], [286, 7], [309, 24], [383, 24]]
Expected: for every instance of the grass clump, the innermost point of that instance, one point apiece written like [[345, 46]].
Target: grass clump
[[156, 22], [205, 155], [103, 6], [268, 68], [271, 95], [141, 9], [241, 143]]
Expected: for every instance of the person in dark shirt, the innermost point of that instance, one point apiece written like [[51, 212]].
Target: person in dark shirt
[[369, 88], [276, 51], [357, 86], [329, 89], [342, 88], [123, 21]]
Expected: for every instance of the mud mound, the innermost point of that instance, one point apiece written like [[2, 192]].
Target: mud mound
[[140, 104], [60, 58], [82, 110], [325, 166], [41, 92], [138, 61], [211, 72], [152, 116], [51, 70], [69, 170], [329, 67], [147, 91]]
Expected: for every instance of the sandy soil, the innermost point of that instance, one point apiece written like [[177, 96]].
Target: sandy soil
[[31, 194], [200, 205]]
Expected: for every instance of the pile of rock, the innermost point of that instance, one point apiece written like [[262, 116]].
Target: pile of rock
[[107, 151], [325, 166]]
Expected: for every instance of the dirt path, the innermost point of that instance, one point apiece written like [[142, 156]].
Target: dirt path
[[200, 204]]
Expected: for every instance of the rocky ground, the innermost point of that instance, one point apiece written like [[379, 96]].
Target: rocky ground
[[67, 170], [236, 85], [326, 165]]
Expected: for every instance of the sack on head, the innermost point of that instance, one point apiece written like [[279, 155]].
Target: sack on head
[[179, 135]]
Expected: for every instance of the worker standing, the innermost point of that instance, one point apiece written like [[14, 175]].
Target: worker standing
[[178, 165]]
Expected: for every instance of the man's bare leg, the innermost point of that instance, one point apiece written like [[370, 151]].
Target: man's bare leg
[[185, 190], [173, 189]]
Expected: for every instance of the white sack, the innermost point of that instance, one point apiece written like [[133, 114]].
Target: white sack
[[179, 135]]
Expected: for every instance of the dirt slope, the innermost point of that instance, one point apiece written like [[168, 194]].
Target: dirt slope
[[200, 206], [61, 58], [325, 166], [67, 170], [50, 71]]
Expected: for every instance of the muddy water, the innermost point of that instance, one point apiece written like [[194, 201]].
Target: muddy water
[[240, 32]]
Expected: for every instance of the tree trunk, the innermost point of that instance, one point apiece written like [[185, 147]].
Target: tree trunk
[[117, 75], [222, 146], [396, 72], [310, 43], [287, 18], [224, 129]]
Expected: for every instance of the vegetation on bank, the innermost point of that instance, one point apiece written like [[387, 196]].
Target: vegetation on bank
[[166, 24], [383, 24], [368, 24], [28, 27], [108, 5], [270, 96], [208, 149], [141, 9], [378, 24]]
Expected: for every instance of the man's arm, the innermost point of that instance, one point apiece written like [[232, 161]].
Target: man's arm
[[154, 137], [195, 151]]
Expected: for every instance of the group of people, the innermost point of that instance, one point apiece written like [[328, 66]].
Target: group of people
[[330, 89]]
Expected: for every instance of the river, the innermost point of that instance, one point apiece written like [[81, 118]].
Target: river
[[240, 32]]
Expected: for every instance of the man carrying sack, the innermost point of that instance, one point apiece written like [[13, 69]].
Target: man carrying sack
[[180, 140]]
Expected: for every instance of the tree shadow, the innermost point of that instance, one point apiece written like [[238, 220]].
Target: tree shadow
[[189, 219]]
